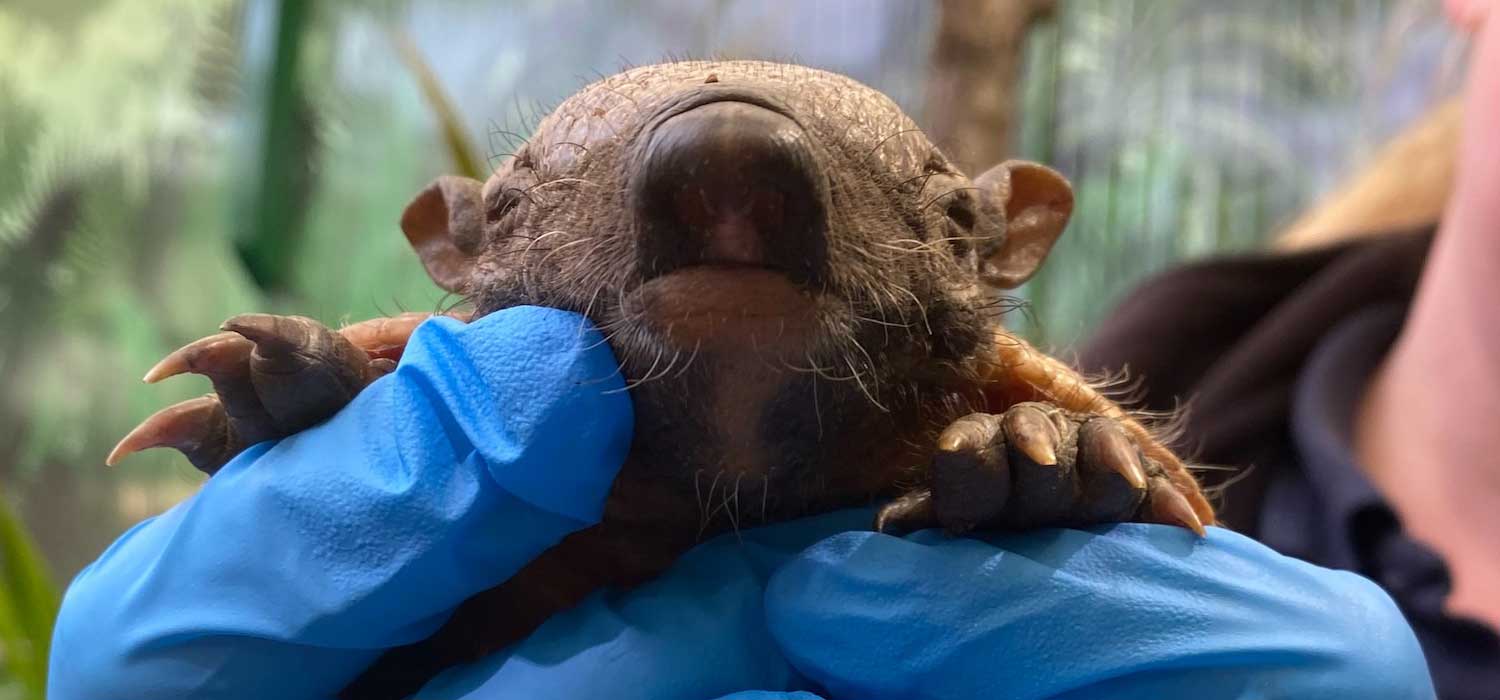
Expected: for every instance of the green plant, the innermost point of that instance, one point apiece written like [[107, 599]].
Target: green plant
[[28, 605]]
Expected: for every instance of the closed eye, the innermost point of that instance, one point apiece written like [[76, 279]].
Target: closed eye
[[960, 227]]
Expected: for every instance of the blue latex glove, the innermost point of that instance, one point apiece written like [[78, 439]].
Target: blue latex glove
[[1129, 611], [808, 609], [294, 566], [284, 576], [696, 633]]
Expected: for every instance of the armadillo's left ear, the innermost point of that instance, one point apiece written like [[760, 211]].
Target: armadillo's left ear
[[1036, 202], [445, 223]]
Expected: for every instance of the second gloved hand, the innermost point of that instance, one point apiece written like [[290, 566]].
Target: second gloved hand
[[1128, 611], [812, 609]]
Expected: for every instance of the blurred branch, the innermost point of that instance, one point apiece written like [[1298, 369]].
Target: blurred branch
[[460, 147], [28, 607], [974, 77], [285, 179]]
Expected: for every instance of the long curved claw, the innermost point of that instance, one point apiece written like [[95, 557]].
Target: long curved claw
[[225, 359], [196, 427], [273, 375], [272, 334], [970, 433], [1033, 434], [221, 354], [1105, 441], [1167, 506], [908, 513]]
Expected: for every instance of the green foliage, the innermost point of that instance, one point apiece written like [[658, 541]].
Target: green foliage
[[110, 88], [1185, 127], [286, 152], [101, 107], [28, 605]]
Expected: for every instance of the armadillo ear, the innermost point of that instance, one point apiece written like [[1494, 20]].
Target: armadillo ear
[[1036, 202], [445, 224]]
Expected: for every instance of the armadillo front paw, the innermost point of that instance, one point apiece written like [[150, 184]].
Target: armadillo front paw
[[272, 376], [1038, 466]]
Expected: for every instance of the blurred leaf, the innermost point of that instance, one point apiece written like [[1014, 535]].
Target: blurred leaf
[[28, 606], [286, 144], [460, 147]]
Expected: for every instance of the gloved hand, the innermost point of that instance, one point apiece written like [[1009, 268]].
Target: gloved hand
[[810, 609], [298, 562], [1128, 611], [295, 565]]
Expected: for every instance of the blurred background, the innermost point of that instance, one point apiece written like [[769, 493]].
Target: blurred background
[[165, 164]]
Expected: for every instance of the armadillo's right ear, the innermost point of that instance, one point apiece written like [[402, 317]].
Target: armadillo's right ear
[[1035, 202], [445, 224]]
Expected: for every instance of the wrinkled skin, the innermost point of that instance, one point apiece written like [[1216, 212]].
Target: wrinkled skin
[[801, 291]]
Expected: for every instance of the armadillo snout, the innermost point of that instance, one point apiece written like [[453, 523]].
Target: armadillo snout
[[732, 184]]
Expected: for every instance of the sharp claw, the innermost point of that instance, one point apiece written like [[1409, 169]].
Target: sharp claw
[[1169, 507], [270, 333], [181, 426], [971, 432], [908, 513], [203, 356], [1103, 439], [1030, 431], [951, 441]]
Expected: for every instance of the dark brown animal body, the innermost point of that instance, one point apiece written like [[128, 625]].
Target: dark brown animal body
[[799, 288]]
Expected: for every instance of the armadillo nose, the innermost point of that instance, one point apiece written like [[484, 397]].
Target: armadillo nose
[[730, 183]]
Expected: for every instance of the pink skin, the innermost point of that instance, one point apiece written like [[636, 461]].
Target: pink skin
[[1428, 429]]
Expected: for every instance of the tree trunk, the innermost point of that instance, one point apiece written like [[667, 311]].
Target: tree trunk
[[973, 77]]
